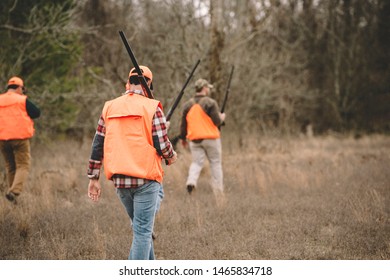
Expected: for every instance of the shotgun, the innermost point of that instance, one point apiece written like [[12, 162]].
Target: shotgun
[[227, 90], [141, 77], [180, 95]]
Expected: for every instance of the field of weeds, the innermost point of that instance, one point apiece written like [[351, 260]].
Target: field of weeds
[[295, 198]]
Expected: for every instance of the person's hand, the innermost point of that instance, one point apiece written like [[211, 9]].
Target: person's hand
[[94, 189], [168, 125], [171, 160], [184, 143], [222, 116]]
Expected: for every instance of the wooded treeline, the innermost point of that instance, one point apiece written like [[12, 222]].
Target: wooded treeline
[[318, 62]]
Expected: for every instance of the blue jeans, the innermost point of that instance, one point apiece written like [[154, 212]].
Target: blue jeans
[[159, 198], [140, 204]]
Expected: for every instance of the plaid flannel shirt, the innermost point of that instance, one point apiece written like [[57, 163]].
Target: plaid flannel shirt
[[160, 141]]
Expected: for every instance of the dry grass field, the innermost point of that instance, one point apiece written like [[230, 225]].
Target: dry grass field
[[295, 198]]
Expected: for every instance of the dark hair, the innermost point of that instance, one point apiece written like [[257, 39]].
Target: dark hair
[[12, 86], [198, 89], [135, 81]]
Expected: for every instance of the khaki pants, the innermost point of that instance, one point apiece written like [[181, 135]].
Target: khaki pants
[[17, 158], [210, 148]]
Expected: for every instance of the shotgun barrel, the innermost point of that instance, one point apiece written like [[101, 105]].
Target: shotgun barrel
[[227, 90], [141, 77], [180, 95]]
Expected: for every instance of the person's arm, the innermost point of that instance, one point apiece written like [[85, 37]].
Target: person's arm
[[160, 137], [212, 109], [95, 161], [183, 127], [183, 123], [32, 110]]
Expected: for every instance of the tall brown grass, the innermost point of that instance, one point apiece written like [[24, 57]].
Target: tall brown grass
[[292, 198]]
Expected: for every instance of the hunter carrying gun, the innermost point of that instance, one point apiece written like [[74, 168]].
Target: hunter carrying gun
[[199, 124], [132, 154]]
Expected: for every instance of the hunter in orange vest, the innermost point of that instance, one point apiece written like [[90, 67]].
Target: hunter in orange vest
[[17, 127], [200, 121], [131, 141], [199, 124], [128, 146]]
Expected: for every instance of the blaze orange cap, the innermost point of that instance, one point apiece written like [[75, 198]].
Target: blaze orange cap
[[145, 71], [16, 81]]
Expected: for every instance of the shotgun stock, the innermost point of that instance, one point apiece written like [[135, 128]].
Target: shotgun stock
[[180, 95], [141, 77]]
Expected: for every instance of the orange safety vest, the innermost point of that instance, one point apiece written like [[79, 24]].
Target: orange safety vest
[[200, 125], [128, 143], [15, 123]]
